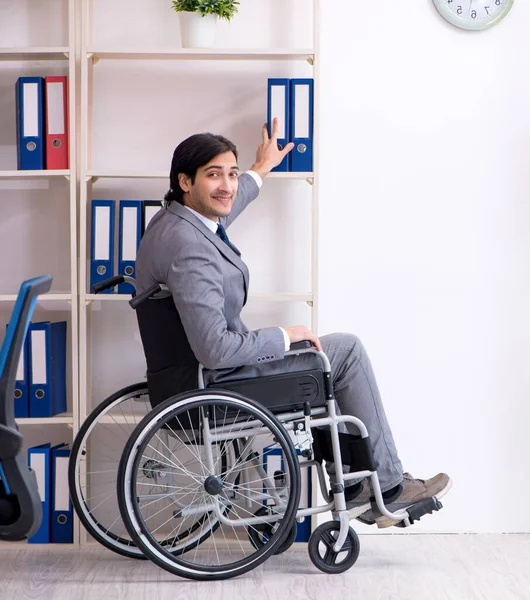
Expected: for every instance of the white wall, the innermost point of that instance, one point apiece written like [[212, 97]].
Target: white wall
[[424, 225], [424, 135], [423, 218]]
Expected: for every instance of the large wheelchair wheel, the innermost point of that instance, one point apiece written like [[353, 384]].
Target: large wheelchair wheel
[[93, 468], [186, 438]]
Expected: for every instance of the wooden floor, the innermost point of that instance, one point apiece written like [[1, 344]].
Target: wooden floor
[[390, 567]]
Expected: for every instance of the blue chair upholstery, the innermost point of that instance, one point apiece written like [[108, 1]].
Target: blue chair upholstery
[[20, 505]]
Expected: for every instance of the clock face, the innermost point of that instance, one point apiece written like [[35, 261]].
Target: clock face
[[473, 14]]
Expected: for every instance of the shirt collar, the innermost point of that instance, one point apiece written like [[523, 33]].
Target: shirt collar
[[212, 225]]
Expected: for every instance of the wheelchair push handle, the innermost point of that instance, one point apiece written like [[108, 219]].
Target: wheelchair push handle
[[135, 301], [108, 283]]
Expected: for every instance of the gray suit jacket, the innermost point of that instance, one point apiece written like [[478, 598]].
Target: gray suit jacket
[[209, 284]]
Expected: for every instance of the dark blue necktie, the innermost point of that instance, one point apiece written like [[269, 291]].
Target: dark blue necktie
[[221, 232]]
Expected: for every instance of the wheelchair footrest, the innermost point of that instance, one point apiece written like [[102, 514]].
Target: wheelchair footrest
[[427, 506]]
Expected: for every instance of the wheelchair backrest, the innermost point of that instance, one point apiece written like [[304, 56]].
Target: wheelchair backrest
[[171, 365], [20, 506]]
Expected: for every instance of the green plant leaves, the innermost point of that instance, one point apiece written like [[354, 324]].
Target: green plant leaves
[[224, 9]]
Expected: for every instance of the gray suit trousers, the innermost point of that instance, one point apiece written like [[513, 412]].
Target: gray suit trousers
[[356, 394]]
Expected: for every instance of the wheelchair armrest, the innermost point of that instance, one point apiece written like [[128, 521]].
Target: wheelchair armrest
[[304, 347]]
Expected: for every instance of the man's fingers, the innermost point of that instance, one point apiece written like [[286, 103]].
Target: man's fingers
[[287, 148], [265, 133], [316, 343], [275, 127]]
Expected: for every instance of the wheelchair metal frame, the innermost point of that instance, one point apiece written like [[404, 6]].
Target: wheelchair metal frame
[[321, 417]]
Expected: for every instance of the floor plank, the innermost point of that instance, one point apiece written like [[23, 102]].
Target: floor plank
[[396, 567]]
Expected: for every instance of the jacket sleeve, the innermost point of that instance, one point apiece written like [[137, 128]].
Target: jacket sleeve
[[195, 280]]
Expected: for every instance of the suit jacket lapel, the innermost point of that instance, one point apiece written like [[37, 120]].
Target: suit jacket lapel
[[224, 249]]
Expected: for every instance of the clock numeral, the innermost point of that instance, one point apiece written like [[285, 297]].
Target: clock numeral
[[487, 9], [449, 1], [459, 10], [497, 2], [473, 14]]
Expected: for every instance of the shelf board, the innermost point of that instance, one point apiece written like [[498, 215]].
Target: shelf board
[[53, 302], [275, 297], [44, 298], [33, 174], [25, 545], [165, 175], [62, 419], [202, 54], [36, 53]]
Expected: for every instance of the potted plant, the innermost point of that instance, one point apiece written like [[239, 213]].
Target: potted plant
[[199, 18]]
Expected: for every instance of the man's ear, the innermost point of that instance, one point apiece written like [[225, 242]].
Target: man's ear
[[184, 182]]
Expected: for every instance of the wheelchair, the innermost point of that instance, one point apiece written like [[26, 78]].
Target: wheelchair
[[207, 484]]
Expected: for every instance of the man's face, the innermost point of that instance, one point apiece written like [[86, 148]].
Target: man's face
[[215, 187]]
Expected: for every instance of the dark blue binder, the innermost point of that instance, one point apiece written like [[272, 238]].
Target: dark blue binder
[[130, 233], [47, 369], [273, 461], [301, 134], [21, 384], [102, 242], [278, 105], [61, 516], [30, 123], [149, 210], [39, 460]]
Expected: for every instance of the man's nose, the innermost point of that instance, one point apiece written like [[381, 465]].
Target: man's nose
[[225, 184]]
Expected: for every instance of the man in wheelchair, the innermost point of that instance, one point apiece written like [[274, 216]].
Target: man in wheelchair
[[186, 248]]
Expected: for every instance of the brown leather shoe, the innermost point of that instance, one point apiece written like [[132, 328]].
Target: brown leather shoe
[[410, 492]]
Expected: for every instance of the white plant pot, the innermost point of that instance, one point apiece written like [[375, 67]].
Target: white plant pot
[[198, 31]]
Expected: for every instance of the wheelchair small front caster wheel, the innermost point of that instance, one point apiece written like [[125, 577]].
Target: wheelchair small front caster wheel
[[260, 534], [321, 551]]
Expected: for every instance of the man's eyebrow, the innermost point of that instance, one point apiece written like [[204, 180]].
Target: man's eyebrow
[[220, 167]]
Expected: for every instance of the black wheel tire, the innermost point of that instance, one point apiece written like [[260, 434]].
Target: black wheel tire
[[327, 534], [77, 501], [146, 540], [258, 532]]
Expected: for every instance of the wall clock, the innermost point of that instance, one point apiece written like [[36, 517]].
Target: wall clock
[[473, 14]]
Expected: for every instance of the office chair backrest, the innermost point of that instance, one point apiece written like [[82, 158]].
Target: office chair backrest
[[20, 505]]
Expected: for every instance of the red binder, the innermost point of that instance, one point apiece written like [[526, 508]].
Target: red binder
[[56, 118]]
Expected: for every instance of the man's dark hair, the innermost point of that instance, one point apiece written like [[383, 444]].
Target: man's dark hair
[[191, 154]]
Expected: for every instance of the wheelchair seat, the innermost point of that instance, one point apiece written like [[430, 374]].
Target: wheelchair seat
[[20, 503], [283, 392], [172, 367]]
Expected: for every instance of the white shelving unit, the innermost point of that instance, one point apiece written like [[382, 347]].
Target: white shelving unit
[[33, 174], [163, 175], [199, 54], [37, 54], [57, 304], [92, 57]]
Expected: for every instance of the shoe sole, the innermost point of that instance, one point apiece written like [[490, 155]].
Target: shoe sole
[[384, 522], [356, 512]]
